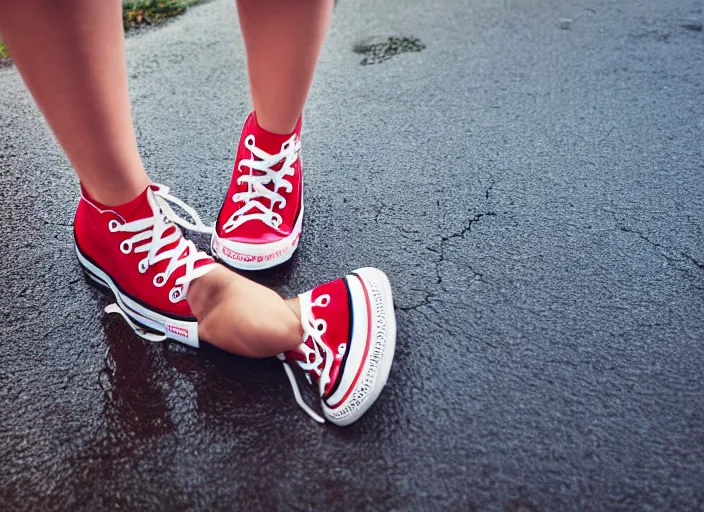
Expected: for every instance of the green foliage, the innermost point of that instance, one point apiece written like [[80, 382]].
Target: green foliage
[[140, 12], [152, 12]]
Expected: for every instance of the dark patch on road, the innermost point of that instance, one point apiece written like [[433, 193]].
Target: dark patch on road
[[694, 27], [376, 53]]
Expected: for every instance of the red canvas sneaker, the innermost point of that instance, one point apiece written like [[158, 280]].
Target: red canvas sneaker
[[137, 251], [349, 340], [260, 222]]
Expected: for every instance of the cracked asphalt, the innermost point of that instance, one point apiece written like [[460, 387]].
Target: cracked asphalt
[[532, 186]]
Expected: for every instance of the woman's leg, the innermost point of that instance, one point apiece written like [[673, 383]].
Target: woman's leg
[[71, 56], [283, 40], [261, 218]]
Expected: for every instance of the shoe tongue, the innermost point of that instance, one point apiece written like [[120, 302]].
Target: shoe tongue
[[136, 209], [266, 140], [336, 292], [298, 355]]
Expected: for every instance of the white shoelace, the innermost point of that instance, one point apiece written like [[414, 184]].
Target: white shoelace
[[151, 230], [313, 329], [253, 207]]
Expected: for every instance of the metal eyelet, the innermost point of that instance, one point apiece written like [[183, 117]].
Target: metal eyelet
[[249, 142], [126, 247], [175, 294], [143, 266], [113, 226], [159, 280]]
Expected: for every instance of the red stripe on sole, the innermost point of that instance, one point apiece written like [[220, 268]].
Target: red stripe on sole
[[366, 348]]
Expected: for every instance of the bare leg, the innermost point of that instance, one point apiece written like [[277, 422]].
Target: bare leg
[[283, 40], [71, 56]]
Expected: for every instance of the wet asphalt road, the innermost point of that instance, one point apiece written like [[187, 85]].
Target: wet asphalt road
[[535, 194]]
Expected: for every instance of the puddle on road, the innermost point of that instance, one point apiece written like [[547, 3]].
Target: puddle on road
[[378, 51]]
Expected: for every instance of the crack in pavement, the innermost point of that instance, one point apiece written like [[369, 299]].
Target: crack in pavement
[[443, 241], [431, 295], [468, 227], [489, 189], [664, 249], [426, 301], [437, 248]]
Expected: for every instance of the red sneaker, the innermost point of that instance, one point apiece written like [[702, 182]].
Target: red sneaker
[[260, 222], [349, 340], [139, 253]]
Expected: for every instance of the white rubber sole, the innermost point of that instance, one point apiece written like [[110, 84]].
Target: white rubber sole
[[250, 257], [182, 331], [380, 356]]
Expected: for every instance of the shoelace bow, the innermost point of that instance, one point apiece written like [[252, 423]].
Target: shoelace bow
[[313, 329], [253, 207], [152, 231]]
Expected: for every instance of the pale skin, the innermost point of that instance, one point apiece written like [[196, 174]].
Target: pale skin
[[76, 72]]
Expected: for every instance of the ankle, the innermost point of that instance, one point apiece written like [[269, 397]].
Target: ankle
[[243, 317], [277, 123], [206, 291], [295, 306], [115, 189]]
